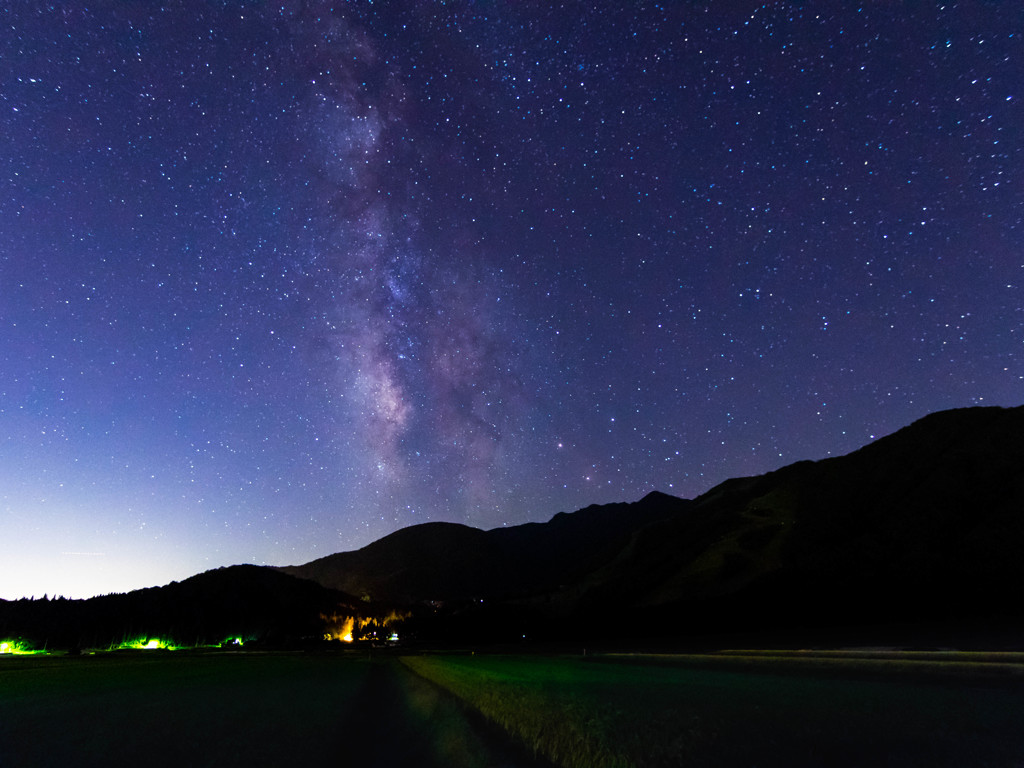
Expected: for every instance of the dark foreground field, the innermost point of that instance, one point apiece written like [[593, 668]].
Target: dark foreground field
[[186, 709]]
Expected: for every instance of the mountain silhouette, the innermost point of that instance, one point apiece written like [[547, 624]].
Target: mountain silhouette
[[924, 527], [447, 561]]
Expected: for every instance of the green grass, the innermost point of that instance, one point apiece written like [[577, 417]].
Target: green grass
[[435, 725], [765, 708], [633, 712]]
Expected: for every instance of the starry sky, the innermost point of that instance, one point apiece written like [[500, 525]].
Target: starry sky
[[280, 278]]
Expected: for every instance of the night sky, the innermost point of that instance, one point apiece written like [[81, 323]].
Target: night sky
[[279, 278]]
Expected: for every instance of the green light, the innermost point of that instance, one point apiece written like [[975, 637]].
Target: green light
[[146, 644], [16, 648]]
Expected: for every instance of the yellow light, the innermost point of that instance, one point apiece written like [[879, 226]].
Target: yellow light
[[339, 628], [346, 630]]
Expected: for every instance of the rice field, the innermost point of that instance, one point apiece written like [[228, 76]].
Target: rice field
[[747, 708], [743, 708]]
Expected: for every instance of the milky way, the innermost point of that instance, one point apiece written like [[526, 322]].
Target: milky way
[[420, 356], [277, 279]]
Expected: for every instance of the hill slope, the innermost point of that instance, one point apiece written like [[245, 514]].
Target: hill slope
[[925, 524], [249, 601], [446, 561]]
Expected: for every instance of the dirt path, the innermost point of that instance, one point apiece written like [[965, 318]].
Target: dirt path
[[401, 720]]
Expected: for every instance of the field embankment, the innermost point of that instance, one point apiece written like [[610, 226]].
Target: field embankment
[[746, 709], [979, 667]]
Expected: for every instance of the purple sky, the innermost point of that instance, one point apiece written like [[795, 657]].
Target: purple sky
[[277, 279]]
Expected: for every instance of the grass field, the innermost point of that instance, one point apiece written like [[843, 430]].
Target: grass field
[[751, 708], [183, 709], [746, 709], [172, 709]]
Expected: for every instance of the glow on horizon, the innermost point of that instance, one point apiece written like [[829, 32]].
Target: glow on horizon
[[31, 573], [74, 576], [82, 550], [78, 543]]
